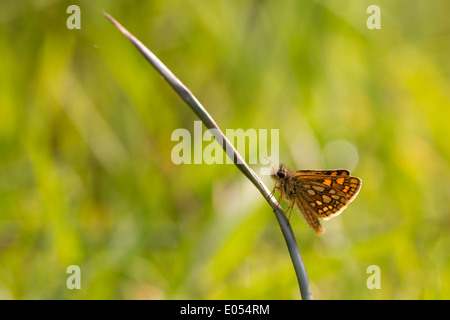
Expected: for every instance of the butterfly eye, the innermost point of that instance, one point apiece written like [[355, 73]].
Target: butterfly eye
[[281, 174]]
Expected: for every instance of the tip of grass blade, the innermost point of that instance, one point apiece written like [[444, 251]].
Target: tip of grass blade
[[117, 24]]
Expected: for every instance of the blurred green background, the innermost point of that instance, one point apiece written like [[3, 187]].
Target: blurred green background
[[86, 176]]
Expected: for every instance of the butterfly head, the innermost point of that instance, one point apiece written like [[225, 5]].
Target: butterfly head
[[280, 173]]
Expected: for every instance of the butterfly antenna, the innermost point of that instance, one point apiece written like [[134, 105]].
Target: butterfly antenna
[[270, 162]]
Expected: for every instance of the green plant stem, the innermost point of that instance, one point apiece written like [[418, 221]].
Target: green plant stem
[[209, 123]]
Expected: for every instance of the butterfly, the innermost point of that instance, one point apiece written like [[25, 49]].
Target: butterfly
[[317, 193]]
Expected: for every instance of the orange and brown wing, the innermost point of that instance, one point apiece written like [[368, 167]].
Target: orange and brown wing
[[338, 172], [327, 194]]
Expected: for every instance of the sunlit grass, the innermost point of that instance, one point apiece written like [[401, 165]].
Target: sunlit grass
[[85, 170]]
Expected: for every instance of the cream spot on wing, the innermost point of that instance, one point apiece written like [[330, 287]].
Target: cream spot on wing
[[317, 188]]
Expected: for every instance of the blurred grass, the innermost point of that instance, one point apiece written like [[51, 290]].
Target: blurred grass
[[85, 126]]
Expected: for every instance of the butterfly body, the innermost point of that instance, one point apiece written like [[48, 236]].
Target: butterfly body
[[317, 193]]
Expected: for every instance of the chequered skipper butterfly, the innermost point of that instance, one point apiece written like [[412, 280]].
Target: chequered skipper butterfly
[[317, 193]]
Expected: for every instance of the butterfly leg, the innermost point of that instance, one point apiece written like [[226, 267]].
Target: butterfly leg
[[279, 199], [289, 209], [273, 192]]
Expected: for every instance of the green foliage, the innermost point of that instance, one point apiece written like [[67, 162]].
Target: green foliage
[[86, 176]]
